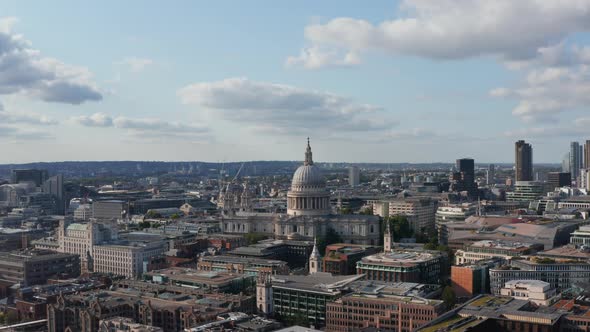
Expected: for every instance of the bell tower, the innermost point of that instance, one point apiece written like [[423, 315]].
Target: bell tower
[[387, 238], [315, 260], [264, 298]]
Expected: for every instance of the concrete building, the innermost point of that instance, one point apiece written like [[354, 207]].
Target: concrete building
[[420, 211], [487, 249], [451, 214], [354, 176], [491, 175], [558, 180], [469, 280], [83, 212], [405, 265], [341, 258], [36, 176], [101, 250], [561, 274], [305, 295], [222, 282], [124, 324], [581, 237], [536, 291], [524, 161], [575, 160], [109, 209], [242, 265], [382, 306], [34, 267], [525, 191]]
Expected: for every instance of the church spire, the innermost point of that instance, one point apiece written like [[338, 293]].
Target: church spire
[[387, 238], [308, 158]]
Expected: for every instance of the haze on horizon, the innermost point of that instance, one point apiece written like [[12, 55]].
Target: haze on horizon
[[415, 81]]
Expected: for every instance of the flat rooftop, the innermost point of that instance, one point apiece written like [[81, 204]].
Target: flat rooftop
[[401, 257]]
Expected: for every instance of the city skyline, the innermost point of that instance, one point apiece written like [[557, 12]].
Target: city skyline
[[228, 82]]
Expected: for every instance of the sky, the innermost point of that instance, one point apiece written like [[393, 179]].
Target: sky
[[378, 81]]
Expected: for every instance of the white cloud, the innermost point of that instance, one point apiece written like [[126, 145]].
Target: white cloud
[[547, 92], [136, 64], [456, 29], [283, 109], [577, 128], [95, 120], [24, 70], [144, 127], [316, 57]]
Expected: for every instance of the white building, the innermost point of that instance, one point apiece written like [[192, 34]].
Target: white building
[[420, 211], [535, 291], [581, 237], [83, 212], [101, 250]]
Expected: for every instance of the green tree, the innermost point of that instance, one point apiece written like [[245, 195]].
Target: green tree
[[330, 238], [175, 216], [345, 210], [399, 225], [367, 211], [252, 238], [449, 297]]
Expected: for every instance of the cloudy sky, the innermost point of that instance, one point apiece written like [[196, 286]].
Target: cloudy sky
[[413, 80]]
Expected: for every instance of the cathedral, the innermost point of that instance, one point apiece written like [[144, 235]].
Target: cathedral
[[309, 214]]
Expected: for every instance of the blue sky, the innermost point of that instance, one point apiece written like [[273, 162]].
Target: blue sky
[[416, 81]]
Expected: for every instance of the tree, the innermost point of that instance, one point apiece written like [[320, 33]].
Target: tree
[[11, 317], [367, 211], [449, 297], [399, 225], [252, 238], [174, 216], [330, 238], [345, 210]]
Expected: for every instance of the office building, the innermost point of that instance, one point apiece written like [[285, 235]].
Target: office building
[[524, 161], [354, 176], [109, 210], [575, 159], [450, 214], [36, 176], [586, 163], [535, 291], [487, 249], [581, 237], [420, 211], [561, 273], [525, 191], [288, 295], [383, 306], [491, 174], [558, 180], [341, 258], [242, 265], [472, 279], [123, 324], [463, 179], [222, 282], [54, 186], [34, 267], [405, 265]]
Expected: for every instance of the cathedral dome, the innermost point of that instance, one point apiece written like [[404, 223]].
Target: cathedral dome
[[308, 176], [308, 194]]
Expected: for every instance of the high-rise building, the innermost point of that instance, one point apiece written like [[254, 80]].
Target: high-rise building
[[575, 160], [587, 154], [463, 179], [491, 174], [354, 175], [37, 176], [558, 180], [524, 161], [54, 186], [565, 163]]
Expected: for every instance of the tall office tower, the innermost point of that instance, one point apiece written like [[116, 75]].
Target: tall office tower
[[37, 176], [464, 177], [524, 161], [565, 163], [587, 154], [491, 174], [354, 176], [558, 180], [575, 160], [55, 187]]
